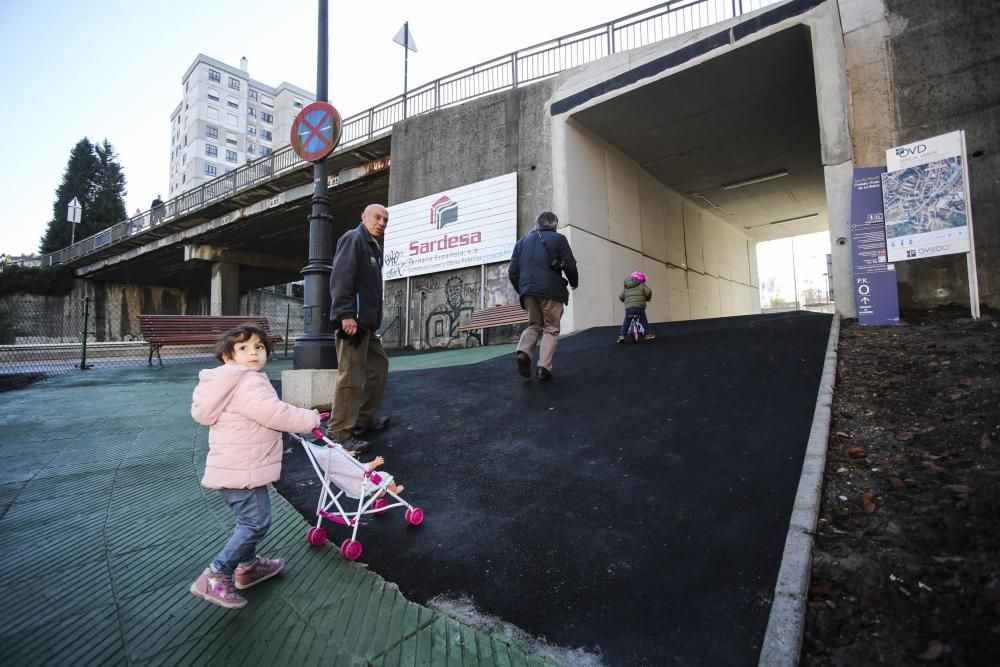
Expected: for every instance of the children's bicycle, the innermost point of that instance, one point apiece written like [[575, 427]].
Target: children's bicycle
[[636, 331]]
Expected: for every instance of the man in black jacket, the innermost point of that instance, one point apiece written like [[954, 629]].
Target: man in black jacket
[[536, 271], [356, 310]]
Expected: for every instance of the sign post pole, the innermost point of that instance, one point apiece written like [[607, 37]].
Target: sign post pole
[[970, 257], [73, 217], [317, 347]]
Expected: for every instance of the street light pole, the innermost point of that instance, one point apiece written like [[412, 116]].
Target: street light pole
[[316, 348]]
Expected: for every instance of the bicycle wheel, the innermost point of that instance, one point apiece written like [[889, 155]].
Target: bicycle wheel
[[634, 329]]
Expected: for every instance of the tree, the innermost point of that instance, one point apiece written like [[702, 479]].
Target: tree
[[108, 206], [94, 177]]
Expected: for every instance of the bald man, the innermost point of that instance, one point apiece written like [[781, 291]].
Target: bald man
[[356, 311]]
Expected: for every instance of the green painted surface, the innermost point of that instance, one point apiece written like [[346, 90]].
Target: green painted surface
[[104, 526]]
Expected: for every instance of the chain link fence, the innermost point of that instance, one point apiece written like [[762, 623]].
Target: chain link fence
[[44, 335]]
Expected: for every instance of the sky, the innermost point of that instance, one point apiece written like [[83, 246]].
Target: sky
[[112, 69]]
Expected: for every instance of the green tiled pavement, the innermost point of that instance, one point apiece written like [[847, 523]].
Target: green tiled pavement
[[103, 527]]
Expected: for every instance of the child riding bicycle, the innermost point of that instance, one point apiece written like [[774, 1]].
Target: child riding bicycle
[[635, 296]]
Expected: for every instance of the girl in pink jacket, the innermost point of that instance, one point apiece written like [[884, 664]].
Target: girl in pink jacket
[[245, 419]]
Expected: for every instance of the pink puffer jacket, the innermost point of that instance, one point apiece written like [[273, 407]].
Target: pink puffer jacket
[[245, 419]]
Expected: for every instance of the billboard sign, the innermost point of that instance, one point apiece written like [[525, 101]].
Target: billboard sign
[[875, 292], [465, 226], [926, 198]]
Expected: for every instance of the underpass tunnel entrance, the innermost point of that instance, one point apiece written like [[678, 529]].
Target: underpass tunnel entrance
[[684, 175]]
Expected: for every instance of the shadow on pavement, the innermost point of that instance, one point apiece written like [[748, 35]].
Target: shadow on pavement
[[635, 506]]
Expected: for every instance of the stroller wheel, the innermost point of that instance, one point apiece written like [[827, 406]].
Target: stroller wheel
[[414, 516], [378, 505], [316, 537], [350, 549]]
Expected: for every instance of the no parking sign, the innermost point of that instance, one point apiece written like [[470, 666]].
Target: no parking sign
[[316, 131]]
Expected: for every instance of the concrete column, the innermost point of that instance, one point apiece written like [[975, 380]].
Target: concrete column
[[225, 299]]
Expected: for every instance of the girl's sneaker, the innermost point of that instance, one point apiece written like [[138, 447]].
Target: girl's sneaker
[[257, 570], [217, 588]]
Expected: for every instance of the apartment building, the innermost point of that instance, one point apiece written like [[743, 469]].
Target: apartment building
[[227, 119]]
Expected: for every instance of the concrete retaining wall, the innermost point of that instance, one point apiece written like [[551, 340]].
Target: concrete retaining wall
[[454, 147], [917, 69], [619, 219]]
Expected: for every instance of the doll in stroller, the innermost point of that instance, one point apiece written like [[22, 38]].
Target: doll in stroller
[[343, 478]]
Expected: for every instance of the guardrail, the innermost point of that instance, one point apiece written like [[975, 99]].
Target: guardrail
[[525, 66]]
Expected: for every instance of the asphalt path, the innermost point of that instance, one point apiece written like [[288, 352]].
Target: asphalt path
[[635, 506]]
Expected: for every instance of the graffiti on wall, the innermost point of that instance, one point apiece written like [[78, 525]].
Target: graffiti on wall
[[442, 321]]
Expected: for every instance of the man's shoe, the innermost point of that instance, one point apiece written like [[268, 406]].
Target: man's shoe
[[258, 570], [352, 444], [376, 424], [217, 588], [544, 374], [621, 339], [524, 364], [650, 336]]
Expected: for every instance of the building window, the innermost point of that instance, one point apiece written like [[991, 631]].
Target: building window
[[251, 112], [211, 150], [264, 150], [252, 93], [213, 94], [231, 119], [250, 149], [214, 76], [251, 130], [230, 156], [267, 101], [266, 117], [233, 103], [234, 83], [212, 132], [231, 140], [210, 170], [265, 134], [213, 113], [187, 86], [297, 103]]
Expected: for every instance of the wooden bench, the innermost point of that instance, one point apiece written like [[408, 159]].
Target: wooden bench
[[160, 330], [494, 316]]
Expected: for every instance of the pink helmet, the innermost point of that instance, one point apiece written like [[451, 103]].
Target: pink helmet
[[638, 275]]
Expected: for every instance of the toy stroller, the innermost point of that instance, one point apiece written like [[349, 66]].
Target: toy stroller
[[329, 460]]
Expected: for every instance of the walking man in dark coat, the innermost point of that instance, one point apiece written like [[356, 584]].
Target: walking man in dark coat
[[356, 310], [536, 270]]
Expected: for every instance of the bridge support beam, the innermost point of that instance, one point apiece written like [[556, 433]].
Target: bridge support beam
[[225, 298]]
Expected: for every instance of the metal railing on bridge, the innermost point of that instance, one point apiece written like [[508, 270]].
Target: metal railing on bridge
[[519, 68]]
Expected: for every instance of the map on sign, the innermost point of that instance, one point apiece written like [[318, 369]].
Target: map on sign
[[925, 198], [925, 193]]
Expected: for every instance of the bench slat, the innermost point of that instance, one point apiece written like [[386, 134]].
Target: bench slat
[[495, 316]]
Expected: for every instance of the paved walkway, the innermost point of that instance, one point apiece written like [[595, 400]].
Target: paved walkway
[[104, 526]]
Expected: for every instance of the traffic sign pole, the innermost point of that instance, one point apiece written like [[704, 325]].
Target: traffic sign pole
[[317, 347]]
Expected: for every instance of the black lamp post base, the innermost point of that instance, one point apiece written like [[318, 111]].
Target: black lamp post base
[[314, 352]]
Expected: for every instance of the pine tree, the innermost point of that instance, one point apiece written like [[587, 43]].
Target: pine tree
[[77, 181], [108, 206], [94, 176]]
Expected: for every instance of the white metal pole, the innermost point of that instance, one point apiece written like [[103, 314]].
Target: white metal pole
[[971, 255], [406, 324]]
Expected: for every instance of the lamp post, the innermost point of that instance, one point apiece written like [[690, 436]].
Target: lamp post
[[316, 348]]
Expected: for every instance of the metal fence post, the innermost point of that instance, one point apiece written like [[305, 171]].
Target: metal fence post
[[288, 319], [83, 345]]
